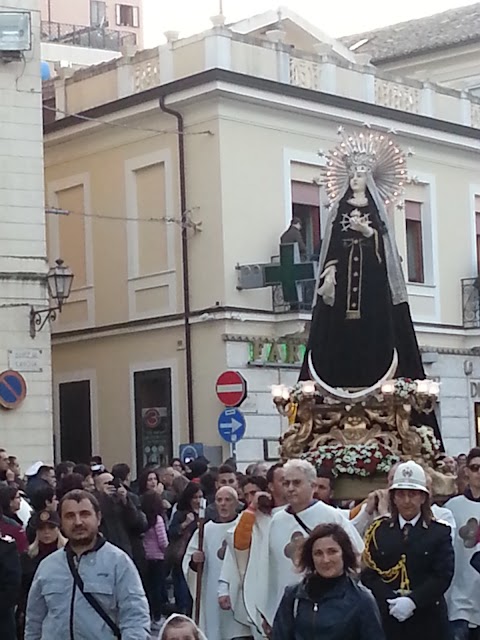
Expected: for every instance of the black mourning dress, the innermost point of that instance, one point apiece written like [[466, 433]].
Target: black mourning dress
[[352, 342]]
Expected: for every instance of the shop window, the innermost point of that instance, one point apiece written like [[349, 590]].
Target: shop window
[[127, 16], [415, 257]]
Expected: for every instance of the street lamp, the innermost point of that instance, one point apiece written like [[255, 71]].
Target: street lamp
[[59, 282]]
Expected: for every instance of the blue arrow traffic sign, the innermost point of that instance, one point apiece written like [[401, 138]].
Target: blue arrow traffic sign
[[232, 425]]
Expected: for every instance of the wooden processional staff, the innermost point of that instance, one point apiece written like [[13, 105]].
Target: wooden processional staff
[[198, 590]]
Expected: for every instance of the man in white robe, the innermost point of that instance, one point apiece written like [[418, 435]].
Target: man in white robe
[[463, 597], [236, 560], [216, 616], [275, 541]]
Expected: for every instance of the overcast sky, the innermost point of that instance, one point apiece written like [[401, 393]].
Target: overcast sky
[[340, 17]]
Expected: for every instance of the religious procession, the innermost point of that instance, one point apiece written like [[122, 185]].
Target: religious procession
[[396, 553], [292, 551], [239, 321]]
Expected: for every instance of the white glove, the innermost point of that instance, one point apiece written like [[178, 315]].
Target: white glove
[[401, 608], [327, 290]]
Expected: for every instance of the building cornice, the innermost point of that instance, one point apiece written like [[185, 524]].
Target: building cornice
[[23, 276], [271, 86], [237, 314]]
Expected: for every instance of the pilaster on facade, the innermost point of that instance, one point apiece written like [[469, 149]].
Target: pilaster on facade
[[26, 430]]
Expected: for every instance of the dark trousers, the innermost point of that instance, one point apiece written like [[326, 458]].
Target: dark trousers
[[156, 587], [7, 624], [183, 599], [461, 631]]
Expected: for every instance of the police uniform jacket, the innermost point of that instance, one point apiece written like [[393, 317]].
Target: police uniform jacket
[[418, 564]]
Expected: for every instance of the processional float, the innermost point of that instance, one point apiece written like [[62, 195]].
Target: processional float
[[363, 401]]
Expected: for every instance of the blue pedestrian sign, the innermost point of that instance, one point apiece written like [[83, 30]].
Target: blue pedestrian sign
[[232, 425], [189, 452]]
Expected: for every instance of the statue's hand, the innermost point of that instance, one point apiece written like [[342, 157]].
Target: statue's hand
[[357, 223], [327, 290]]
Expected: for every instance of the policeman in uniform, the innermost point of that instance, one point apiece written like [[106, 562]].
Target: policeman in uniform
[[10, 580], [409, 561]]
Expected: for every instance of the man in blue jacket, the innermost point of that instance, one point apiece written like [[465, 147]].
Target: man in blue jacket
[[88, 590]]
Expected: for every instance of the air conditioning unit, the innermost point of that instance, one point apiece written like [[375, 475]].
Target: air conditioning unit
[[15, 32]]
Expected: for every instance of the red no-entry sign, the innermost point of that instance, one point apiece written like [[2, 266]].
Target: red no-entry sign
[[231, 388]]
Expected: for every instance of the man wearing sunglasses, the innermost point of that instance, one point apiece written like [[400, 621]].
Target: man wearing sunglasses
[[463, 597]]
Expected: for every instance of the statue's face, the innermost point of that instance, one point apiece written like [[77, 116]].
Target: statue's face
[[358, 181]]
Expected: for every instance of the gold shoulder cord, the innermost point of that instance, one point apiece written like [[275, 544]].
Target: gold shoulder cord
[[398, 571]]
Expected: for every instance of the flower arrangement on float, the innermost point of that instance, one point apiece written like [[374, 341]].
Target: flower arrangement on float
[[431, 446], [408, 389], [362, 460]]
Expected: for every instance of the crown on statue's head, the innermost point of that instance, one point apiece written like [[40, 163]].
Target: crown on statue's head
[[359, 162]]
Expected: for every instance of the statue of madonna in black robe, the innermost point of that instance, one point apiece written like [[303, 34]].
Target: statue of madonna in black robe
[[361, 320]]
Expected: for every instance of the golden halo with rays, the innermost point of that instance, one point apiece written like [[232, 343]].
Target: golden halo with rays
[[370, 151]]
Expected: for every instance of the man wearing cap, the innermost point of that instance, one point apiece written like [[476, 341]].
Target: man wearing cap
[[409, 561], [39, 475]]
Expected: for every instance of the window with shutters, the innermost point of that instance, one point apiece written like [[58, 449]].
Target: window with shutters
[[127, 16], [414, 231], [98, 13], [306, 207]]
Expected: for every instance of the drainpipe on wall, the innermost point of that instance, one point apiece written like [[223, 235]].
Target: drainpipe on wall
[[185, 263]]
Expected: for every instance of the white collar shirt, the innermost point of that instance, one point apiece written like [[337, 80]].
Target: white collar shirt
[[402, 522]]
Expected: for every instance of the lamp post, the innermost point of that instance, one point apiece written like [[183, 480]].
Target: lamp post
[[59, 282]]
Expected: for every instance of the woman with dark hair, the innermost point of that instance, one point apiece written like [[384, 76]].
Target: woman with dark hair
[[149, 480], [327, 604], [10, 523], [182, 527], [178, 465], [155, 543], [10, 502]]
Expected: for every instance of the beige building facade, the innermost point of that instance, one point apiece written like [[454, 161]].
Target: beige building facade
[[149, 202]]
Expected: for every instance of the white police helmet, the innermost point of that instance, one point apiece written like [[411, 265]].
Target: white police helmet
[[409, 475]]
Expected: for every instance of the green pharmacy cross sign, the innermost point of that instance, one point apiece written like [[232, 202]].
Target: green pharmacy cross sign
[[288, 272]]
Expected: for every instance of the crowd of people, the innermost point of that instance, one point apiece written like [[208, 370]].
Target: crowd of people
[[86, 552]]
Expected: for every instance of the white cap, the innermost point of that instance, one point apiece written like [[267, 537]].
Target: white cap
[[409, 475], [34, 469]]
